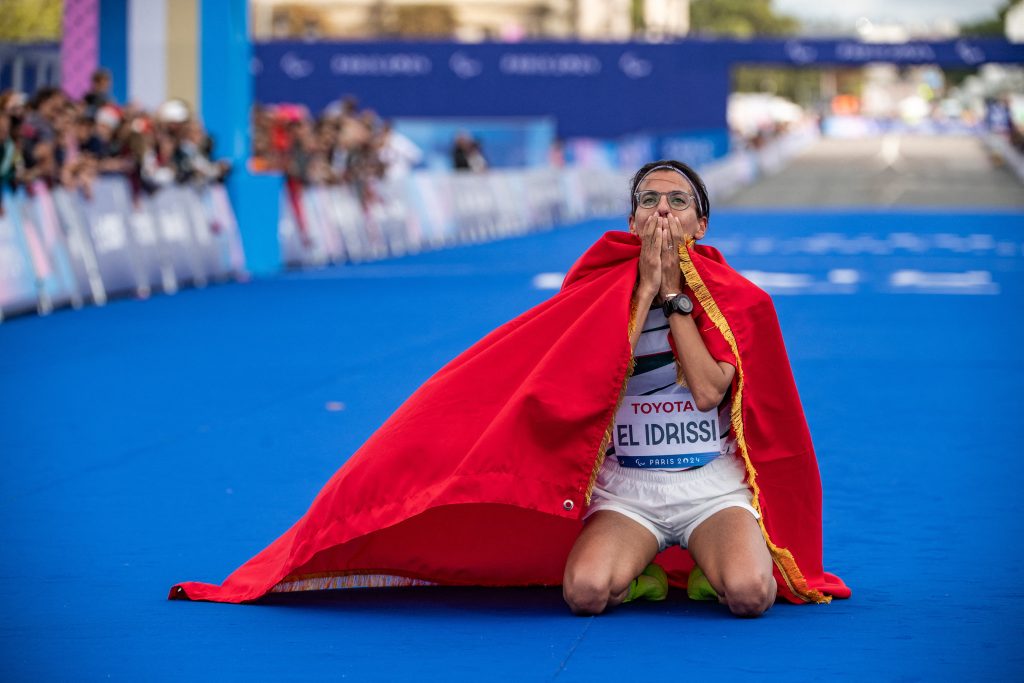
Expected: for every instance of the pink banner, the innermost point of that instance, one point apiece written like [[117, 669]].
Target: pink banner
[[79, 48]]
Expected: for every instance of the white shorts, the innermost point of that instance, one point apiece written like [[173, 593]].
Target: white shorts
[[672, 504]]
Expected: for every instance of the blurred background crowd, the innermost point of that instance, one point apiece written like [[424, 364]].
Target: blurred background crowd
[[50, 137], [344, 144]]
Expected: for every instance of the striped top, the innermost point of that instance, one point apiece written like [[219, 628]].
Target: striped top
[[656, 408]]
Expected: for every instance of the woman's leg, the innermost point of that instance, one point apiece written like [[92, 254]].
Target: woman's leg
[[610, 552], [730, 549]]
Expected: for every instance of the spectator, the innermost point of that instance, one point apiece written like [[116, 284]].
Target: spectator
[[344, 145], [8, 156], [38, 135], [99, 92], [59, 141], [398, 154], [467, 154], [193, 157]]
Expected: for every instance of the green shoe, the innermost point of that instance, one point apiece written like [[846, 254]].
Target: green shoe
[[698, 587], [652, 584]]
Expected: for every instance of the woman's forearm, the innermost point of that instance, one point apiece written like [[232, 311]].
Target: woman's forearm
[[707, 378], [641, 304]]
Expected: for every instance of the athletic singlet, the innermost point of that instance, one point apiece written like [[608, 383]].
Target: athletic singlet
[[658, 425]]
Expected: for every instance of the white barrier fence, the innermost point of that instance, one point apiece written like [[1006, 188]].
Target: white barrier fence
[[60, 248], [431, 210]]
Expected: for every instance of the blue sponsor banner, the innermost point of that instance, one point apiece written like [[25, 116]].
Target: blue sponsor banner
[[601, 90], [505, 143], [632, 151], [960, 53], [41, 227], [697, 147], [106, 215], [205, 247], [175, 230], [152, 261], [84, 265], [591, 90], [59, 247]]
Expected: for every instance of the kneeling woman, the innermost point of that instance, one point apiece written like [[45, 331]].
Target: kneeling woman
[[654, 490], [647, 410]]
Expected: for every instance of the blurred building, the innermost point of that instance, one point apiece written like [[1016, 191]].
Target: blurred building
[[470, 20], [1015, 23]]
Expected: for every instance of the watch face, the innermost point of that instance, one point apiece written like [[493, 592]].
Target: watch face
[[680, 303]]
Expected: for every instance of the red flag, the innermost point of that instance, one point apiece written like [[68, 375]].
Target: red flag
[[482, 476]]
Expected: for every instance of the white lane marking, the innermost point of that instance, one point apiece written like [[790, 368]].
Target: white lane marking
[[890, 151], [1007, 249], [969, 282], [908, 241], [843, 276], [851, 281], [548, 280], [370, 271], [762, 245], [837, 281], [829, 243], [774, 280]]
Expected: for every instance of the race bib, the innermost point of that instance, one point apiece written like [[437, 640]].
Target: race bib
[[665, 432]]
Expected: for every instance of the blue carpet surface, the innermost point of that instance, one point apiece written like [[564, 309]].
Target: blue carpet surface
[[145, 443]]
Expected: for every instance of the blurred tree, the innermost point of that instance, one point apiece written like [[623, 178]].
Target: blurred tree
[[739, 18], [421, 21], [993, 27], [806, 87], [799, 85], [636, 14], [31, 20]]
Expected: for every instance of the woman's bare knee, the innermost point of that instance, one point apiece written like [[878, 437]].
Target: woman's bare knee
[[593, 593], [749, 595], [585, 595], [609, 553]]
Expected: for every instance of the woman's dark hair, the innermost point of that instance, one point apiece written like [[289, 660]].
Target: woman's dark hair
[[703, 203]]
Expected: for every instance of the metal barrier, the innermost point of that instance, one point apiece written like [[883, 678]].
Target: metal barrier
[[432, 210], [61, 248]]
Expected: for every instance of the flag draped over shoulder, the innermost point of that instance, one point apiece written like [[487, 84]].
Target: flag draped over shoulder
[[482, 476]]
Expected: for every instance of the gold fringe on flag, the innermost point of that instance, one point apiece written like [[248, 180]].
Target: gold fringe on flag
[[323, 582], [783, 558]]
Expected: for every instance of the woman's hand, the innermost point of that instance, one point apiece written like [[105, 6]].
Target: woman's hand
[[671, 273], [649, 281]]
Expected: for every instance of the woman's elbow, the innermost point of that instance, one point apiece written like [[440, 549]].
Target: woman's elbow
[[707, 399]]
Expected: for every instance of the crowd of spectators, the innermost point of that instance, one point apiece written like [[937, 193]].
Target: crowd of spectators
[[344, 145], [53, 138]]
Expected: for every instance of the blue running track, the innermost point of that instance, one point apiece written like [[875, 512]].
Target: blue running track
[[145, 443]]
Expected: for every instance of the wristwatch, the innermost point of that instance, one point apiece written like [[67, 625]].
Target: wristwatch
[[677, 303]]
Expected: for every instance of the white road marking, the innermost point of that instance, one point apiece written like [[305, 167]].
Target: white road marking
[[890, 151], [843, 276], [775, 280], [969, 282], [548, 280]]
